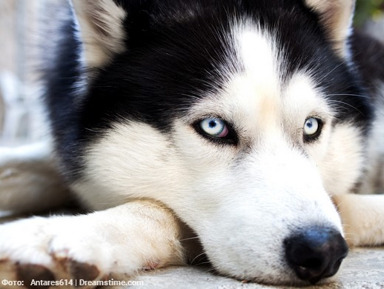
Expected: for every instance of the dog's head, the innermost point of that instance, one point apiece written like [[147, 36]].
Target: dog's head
[[241, 116]]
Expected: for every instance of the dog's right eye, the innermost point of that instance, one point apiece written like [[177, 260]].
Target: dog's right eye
[[217, 130], [215, 127]]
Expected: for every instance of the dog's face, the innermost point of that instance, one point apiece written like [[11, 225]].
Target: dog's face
[[242, 117]]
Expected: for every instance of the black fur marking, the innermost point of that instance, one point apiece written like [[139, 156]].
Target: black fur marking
[[63, 100]]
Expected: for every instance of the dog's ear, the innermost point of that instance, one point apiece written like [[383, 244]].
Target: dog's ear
[[101, 29], [336, 16]]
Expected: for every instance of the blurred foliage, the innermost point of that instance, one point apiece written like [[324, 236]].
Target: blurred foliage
[[368, 9]]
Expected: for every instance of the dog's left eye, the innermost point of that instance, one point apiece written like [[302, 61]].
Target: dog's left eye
[[312, 128], [216, 129]]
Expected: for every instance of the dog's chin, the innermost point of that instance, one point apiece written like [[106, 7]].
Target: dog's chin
[[280, 277], [284, 280]]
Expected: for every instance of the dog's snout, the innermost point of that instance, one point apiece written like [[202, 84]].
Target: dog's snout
[[315, 252]]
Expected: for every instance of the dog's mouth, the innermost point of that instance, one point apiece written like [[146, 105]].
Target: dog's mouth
[[312, 254]]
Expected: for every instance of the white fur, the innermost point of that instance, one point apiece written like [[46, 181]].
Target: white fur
[[363, 218], [343, 165], [141, 162]]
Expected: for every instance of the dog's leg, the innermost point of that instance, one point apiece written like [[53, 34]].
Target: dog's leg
[[29, 180], [362, 217], [115, 243]]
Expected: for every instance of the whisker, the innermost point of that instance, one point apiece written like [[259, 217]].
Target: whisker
[[191, 238], [345, 104], [348, 94], [204, 263], [198, 256], [331, 71]]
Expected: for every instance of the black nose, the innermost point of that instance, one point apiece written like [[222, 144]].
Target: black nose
[[315, 252]]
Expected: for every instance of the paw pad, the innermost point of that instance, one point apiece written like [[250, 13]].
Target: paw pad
[[83, 271], [29, 272]]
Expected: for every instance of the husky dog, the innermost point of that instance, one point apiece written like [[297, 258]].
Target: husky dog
[[250, 123]]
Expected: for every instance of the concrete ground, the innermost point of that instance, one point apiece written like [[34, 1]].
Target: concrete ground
[[363, 268]]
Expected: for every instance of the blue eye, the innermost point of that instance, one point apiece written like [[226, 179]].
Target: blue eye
[[214, 127], [312, 128], [216, 130]]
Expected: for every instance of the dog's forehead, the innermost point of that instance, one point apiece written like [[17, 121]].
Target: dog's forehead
[[256, 90], [261, 94], [259, 55]]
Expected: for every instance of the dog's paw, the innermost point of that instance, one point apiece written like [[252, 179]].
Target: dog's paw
[[44, 250], [20, 275], [67, 251], [362, 217]]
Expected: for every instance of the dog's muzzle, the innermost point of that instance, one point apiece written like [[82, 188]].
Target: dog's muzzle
[[315, 253]]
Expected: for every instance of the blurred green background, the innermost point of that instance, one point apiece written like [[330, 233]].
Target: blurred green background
[[368, 9]]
